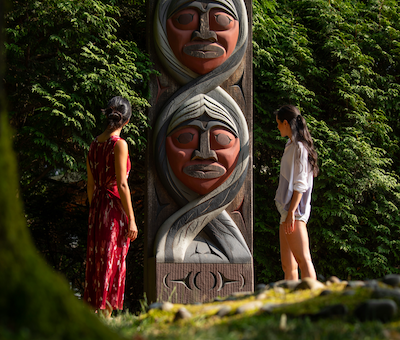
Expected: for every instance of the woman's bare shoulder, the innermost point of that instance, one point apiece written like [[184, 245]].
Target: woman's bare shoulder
[[121, 145]]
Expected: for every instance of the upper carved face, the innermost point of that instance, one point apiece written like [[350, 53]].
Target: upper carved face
[[202, 37], [202, 158]]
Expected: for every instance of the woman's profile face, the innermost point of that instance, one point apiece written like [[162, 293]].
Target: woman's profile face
[[202, 159], [202, 40]]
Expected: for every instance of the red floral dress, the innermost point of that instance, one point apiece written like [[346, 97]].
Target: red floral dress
[[107, 244]]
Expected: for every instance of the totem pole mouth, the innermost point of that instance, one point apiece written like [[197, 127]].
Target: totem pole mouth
[[204, 50], [204, 171]]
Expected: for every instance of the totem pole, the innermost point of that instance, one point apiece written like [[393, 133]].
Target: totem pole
[[199, 179]]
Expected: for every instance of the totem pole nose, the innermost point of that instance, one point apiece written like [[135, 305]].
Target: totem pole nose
[[204, 33], [204, 152]]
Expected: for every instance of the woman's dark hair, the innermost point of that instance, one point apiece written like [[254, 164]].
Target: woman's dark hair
[[300, 132], [118, 112]]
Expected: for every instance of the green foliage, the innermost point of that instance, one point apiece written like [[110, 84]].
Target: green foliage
[[65, 61], [339, 61]]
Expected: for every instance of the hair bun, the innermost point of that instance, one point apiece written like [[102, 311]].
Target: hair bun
[[115, 115], [118, 112]]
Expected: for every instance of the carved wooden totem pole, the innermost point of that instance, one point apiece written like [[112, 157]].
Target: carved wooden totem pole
[[199, 163]]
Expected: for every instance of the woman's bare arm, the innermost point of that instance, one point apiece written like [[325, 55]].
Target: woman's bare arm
[[290, 219], [121, 157]]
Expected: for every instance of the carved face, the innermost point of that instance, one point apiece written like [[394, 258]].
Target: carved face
[[202, 40], [202, 159]]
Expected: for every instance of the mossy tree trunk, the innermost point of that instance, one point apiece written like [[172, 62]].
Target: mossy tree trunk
[[35, 302]]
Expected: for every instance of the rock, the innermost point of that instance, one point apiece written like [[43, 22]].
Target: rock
[[309, 283], [224, 311], [269, 307], [334, 279], [182, 314], [241, 295], [392, 280], [260, 287], [165, 306], [380, 310], [287, 284], [279, 290], [373, 284], [355, 284], [248, 307], [384, 293], [155, 305], [349, 292], [261, 296]]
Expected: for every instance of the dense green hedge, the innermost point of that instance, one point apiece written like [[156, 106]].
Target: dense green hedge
[[339, 61], [65, 60]]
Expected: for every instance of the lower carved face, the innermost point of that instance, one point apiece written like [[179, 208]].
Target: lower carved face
[[202, 40], [202, 159]]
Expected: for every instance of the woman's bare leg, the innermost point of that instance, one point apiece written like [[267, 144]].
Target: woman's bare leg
[[300, 247], [108, 310], [289, 264]]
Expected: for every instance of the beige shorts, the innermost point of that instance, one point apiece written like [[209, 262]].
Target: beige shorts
[[284, 214]]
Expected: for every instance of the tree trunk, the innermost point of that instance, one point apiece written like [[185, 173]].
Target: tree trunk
[[35, 302]]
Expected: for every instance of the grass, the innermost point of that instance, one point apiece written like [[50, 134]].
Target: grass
[[290, 321]]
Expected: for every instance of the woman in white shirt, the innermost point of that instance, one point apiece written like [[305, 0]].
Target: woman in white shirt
[[298, 168]]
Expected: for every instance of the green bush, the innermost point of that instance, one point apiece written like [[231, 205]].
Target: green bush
[[339, 62]]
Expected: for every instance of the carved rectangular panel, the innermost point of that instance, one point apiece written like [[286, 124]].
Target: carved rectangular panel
[[190, 283]]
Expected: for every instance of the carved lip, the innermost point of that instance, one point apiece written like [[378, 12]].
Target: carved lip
[[204, 171], [204, 50]]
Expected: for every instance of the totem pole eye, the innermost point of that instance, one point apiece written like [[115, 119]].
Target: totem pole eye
[[223, 20], [222, 139], [185, 19], [185, 138]]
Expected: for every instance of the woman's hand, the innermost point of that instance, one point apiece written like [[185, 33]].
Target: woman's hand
[[290, 219], [132, 232], [289, 223]]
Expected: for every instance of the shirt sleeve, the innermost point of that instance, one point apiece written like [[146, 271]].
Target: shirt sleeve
[[301, 168]]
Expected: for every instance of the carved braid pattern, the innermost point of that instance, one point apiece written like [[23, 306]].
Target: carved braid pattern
[[180, 229]]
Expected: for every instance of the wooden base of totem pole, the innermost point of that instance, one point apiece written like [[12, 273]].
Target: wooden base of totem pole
[[194, 282]]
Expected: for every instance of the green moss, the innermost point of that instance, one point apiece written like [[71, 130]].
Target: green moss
[[256, 324]]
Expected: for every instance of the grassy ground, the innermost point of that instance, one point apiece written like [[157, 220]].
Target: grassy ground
[[291, 321]]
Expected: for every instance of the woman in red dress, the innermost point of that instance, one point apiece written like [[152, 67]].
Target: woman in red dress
[[111, 219]]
